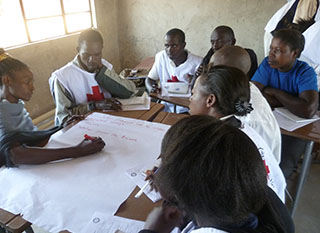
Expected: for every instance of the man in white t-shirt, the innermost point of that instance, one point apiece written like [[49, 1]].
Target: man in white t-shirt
[[174, 64], [88, 82]]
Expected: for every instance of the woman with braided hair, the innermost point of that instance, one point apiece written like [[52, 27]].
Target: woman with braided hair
[[223, 92], [18, 135]]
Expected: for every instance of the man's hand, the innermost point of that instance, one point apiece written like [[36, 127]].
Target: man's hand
[[155, 88], [199, 71], [163, 219], [108, 104], [73, 119]]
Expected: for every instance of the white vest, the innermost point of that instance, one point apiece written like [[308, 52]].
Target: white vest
[[81, 84]]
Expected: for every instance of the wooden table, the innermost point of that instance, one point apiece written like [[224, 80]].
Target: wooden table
[[181, 101], [311, 133]]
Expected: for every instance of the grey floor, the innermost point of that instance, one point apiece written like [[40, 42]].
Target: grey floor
[[307, 217]]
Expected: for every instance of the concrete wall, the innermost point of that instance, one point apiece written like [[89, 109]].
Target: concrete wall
[[144, 23], [134, 29], [45, 57]]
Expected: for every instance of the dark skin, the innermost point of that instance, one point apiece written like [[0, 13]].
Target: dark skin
[[20, 86], [218, 39], [174, 48], [281, 57], [90, 54]]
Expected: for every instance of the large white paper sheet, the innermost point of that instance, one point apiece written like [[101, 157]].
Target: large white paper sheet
[[65, 194], [103, 223]]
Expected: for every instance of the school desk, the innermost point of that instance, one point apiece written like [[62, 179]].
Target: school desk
[[311, 133]]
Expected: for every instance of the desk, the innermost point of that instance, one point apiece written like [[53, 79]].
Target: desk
[[181, 101], [145, 63], [311, 133]]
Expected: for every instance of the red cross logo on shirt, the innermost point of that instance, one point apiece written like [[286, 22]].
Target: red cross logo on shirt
[[96, 94], [267, 167]]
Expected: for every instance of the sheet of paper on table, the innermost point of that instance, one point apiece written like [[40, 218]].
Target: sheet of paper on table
[[175, 89], [64, 195], [289, 121], [136, 103], [137, 175], [103, 223]]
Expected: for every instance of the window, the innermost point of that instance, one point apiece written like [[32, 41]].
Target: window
[[25, 21]]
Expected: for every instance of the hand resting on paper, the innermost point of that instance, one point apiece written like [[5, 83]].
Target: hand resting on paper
[[107, 104], [163, 219]]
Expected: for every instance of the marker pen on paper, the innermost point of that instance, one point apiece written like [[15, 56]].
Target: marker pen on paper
[[87, 137], [144, 187]]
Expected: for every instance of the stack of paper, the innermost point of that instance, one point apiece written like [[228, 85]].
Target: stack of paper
[[291, 122], [136, 103]]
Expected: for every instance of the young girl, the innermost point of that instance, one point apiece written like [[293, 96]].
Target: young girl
[[223, 93], [214, 172], [18, 135]]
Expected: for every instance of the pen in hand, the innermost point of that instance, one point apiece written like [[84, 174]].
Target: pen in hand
[[149, 177]]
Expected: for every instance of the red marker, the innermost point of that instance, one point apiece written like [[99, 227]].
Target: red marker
[[87, 137]]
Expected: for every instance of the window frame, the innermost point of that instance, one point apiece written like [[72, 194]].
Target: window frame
[[63, 15]]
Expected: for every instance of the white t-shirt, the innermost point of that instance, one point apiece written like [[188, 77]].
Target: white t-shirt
[[81, 84], [164, 68], [276, 180], [263, 121]]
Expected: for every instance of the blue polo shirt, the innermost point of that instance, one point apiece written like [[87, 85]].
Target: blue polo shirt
[[300, 78]]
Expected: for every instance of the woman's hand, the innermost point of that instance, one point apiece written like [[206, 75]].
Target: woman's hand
[[87, 147]]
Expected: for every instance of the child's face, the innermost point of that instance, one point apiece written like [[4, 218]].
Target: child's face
[[281, 57], [20, 85], [198, 100]]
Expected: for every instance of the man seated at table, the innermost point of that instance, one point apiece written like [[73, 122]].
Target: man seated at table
[[174, 64], [88, 82], [261, 118], [290, 83], [221, 36]]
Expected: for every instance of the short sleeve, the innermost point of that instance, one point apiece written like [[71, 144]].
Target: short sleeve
[[307, 80], [262, 75], [153, 73]]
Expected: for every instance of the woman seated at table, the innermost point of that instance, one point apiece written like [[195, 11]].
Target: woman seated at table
[[223, 93], [214, 172], [18, 135]]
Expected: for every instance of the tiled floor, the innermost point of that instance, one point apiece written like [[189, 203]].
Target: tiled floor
[[307, 218]]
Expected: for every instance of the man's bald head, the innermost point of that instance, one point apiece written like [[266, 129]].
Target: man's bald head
[[234, 56]]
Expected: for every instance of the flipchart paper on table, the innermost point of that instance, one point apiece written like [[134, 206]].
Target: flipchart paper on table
[[64, 195]]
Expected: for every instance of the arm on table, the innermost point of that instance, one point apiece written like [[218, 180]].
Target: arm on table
[[152, 86], [305, 105], [36, 155]]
